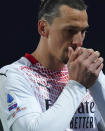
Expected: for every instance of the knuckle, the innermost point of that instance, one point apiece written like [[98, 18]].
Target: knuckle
[[102, 65], [90, 51], [100, 59], [97, 53], [82, 63]]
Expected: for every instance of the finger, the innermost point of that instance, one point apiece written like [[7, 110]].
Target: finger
[[98, 62], [84, 55], [95, 65], [90, 51], [81, 50], [93, 57], [70, 52], [100, 68], [75, 54]]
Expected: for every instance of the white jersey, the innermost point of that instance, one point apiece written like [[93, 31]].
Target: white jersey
[[34, 98]]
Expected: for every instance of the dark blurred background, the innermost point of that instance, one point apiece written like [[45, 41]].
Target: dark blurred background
[[19, 28], [19, 34]]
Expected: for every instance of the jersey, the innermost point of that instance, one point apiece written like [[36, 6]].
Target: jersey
[[41, 88]]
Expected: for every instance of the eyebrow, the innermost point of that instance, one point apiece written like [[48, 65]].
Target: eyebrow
[[76, 27]]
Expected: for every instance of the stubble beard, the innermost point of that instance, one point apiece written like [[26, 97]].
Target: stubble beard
[[64, 57]]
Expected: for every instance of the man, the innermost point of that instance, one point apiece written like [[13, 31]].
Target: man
[[60, 86]]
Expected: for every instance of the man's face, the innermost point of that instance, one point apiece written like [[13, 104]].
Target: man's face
[[68, 30]]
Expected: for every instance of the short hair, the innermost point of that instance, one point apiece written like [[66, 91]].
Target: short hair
[[49, 9]]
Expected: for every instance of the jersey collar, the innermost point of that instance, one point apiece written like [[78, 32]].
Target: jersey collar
[[30, 58]]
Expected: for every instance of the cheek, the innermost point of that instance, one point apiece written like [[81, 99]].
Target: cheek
[[58, 44], [67, 36], [56, 40]]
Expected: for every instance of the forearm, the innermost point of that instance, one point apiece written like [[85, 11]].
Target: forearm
[[58, 117]]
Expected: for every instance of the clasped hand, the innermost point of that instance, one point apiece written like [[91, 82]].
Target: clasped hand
[[84, 65]]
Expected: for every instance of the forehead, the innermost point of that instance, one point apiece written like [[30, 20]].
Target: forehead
[[72, 17]]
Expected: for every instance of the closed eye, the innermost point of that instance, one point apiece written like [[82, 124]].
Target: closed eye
[[73, 31]]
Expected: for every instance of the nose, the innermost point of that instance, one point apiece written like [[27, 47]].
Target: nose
[[78, 39]]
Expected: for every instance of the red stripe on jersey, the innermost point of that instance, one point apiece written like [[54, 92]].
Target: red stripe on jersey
[[30, 58]]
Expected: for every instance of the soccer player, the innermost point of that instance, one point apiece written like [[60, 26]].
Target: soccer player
[[60, 86]]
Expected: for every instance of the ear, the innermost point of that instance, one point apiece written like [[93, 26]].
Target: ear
[[43, 28]]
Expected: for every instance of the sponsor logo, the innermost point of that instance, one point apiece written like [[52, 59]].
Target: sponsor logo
[[4, 74], [84, 117], [18, 109], [11, 102], [12, 107], [9, 98]]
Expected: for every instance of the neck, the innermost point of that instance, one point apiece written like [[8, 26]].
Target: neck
[[42, 55]]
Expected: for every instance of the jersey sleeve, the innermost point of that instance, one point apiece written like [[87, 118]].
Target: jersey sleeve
[[99, 120], [16, 97], [23, 112], [98, 93]]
